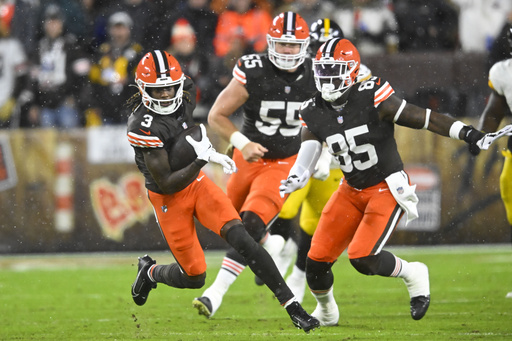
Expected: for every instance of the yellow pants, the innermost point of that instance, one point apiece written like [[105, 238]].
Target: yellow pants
[[313, 198], [506, 184]]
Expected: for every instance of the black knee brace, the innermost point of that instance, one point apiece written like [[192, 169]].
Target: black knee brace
[[319, 274], [382, 264], [241, 241], [173, 276], [254, 225]]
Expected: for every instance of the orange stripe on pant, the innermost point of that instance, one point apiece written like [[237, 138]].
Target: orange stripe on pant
[[255, 187], [175, 216], [360, 220]]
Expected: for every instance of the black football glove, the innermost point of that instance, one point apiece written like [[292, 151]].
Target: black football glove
[[471, 137]]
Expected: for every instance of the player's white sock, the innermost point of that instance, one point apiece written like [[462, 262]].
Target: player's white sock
[[415, 276], [326, 310], [227, 275], [297, 283]]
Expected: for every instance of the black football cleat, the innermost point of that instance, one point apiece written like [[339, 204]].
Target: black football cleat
[[143, 285], [203, 306], [419, 306], [300, 318]]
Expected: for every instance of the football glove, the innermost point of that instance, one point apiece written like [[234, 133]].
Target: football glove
[[202, 148], [323, 165], [471, 137], [228, 165], [293, 183]]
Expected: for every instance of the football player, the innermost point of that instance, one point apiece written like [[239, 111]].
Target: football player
[[499, 106], [270, 89], [356, 120], [162, 109], [312, 198]]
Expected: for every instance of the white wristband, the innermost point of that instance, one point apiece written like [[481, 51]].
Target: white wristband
[[427, 118], [455, 129], [399, 112], [239, 140]]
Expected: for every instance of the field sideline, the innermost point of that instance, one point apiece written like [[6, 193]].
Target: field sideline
[[87, 297]]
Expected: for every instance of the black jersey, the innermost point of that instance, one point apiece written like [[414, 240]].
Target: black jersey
[[147, 129], [363, 144], [271, 114]]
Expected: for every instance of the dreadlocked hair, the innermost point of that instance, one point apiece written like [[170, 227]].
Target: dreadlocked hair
[[134, 101]]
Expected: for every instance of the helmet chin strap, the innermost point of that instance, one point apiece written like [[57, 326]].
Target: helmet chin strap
[[329, 94]]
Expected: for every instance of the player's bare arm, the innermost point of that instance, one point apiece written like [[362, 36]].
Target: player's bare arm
[[493, 113], [170, 181], [228, 101], [405, 114]]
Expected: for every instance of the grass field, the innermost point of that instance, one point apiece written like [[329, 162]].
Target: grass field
[[87, 297]]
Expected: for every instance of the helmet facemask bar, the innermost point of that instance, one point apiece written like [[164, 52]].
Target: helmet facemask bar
[[162, 106], [287, 61], [329, 72]]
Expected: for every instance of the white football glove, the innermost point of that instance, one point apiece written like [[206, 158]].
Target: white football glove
[[202, 148], [323, 165], [485, 142], [293, 183], [228, 165]]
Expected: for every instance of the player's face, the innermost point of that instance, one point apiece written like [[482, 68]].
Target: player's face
[[163, 93], [287, 48]]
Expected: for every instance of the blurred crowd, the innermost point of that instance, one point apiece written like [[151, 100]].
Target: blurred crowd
[[70, 63]]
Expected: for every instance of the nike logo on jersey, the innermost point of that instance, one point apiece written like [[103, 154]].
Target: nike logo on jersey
[[282, 162], [383, 189], [199, 179], [145, 132]]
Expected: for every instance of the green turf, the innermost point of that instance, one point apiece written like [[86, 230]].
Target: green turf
[[87, 297]]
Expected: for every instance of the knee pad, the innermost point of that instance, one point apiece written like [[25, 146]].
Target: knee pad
[[382, 264], [319, 274], [254, 225], [241, 241]]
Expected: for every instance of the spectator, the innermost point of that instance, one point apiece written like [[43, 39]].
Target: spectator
[[480, 22], [371, 25], [426, 25], [202, 19], [184, 48], [59, 69], [241, 25], [311, 10], [13, 67], [113, 69], [145, 19]]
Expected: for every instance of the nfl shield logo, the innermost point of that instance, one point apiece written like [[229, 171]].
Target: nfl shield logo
[[287, 89], [184, 125], [400, 190], [340, 119]]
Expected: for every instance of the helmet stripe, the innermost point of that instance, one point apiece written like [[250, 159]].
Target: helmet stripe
[[327, 27], [289, 23], [330, 47], [161, 64]]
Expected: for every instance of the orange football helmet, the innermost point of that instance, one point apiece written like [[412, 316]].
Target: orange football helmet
[[288, 27], [336, 67], [158, 69]]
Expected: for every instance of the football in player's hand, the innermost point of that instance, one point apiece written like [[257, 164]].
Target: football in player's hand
[[182, 153]]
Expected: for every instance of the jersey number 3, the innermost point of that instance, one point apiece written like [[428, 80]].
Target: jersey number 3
[[340, 146]]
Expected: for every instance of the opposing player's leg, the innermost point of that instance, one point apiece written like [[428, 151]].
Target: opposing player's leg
[[506, 188]]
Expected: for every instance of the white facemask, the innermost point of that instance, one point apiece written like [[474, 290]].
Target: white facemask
[[329, 94]]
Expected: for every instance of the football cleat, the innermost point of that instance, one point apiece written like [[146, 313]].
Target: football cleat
[[419, 306], [143, 284], [203, 306], [328, 314], [300, 318]]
